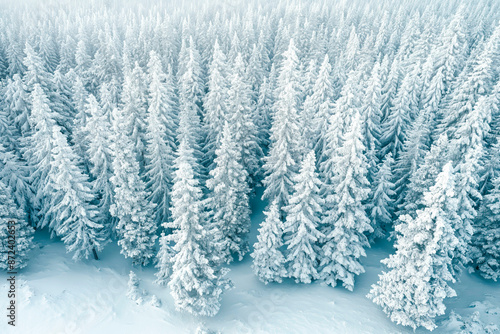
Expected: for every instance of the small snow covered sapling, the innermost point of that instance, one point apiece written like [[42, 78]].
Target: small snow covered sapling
[[133, 292], [155, 302]]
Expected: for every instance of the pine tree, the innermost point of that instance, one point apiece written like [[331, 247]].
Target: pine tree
[[191, 87], [382, 202], [344, 240], [469, 148], [38, 152], [13, 227], [101, 159], [72, 214], [15, 55], [160, 139], [486, 238], [390, 86], [228, 201], [15, 174], [264, 111], [240, 119], [196, 283], [452, 50], [412, 154], [372, 113], [425, 175], [268, 260], [215, 103], [191, 90], [164, 259], [302, 220], [17, 101], [395, 126], [36, 72], [281, 163], [83, 62], [62, 100], [78, 132], [134, 108], [136, 227], [319, 106], [413, 290]]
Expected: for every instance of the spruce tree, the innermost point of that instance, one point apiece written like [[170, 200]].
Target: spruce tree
[[344, 240], [16, 236], [134, 109], [281, 163], [395, 126], [15, 174], [302, 222], [160, 139], [412, 292], [268, 260], [38, 152], [371, 109], [17, 102], [215, 103], [425, 175], [319, 106], [136, 228], [382, 198], [486, 238], [196, 283], [101, 159], [73, 215], [228, 198], [240, 119]]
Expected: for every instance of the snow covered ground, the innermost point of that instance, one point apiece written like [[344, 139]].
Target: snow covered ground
[[59, 296]]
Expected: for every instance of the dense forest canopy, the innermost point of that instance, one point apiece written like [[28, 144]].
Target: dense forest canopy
[[151, 125]]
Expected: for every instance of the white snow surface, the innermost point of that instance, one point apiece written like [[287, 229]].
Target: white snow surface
[[56, 295]]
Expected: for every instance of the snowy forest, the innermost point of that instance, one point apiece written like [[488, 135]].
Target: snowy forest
[[154, 126]]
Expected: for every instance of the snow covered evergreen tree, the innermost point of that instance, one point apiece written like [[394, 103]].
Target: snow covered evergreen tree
[[72, 214], [344, 236], [281, 163], [405, 106], [425, 175], [196, 283], [412, 292], [215, 102], [268, 260], [412, 154], [134, 109], [17, 102], [160, 139], [382, 198], [486, 238], [38, 151], [240, 119], [13, 227], [228, 199], [15, 174], [371, 109], [101, 159], [136, 227], [302, 221], [319, 106], [133, 292]]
